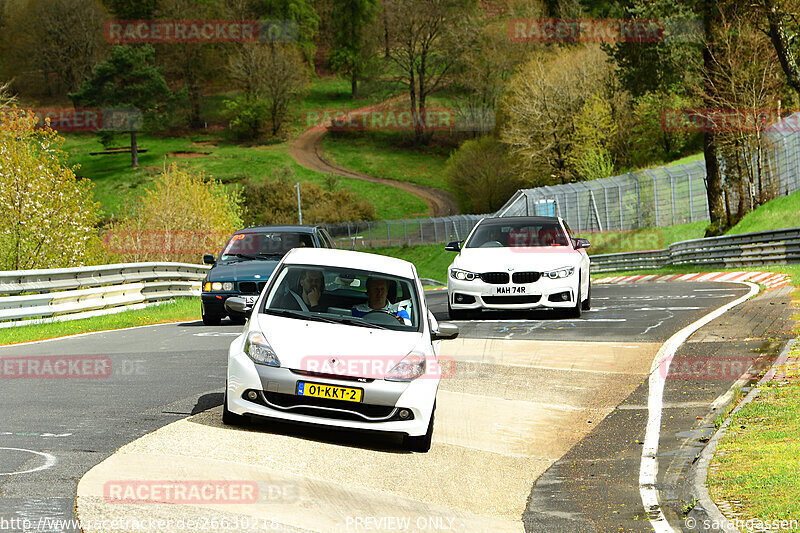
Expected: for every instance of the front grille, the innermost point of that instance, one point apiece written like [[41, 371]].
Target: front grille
[[332, 376], [526, 277], [251, 287], [308, 405], [497, 278], [512, 299]]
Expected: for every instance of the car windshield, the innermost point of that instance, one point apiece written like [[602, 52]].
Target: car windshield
[[254, 245], [517, 235], [342, 295]]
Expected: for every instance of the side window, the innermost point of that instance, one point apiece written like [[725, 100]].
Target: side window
[[325, 239]]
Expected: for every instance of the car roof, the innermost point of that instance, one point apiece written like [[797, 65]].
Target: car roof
[[294, 228], [349, 259], [518, 220]]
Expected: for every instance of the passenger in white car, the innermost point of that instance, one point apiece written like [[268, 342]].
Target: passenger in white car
[[377, 292]]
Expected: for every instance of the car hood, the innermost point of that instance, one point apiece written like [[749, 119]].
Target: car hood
[[299, 344], [242, 270], [537, 259]]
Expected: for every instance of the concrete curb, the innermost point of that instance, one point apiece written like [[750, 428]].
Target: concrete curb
[[699, 474], [771, 280]]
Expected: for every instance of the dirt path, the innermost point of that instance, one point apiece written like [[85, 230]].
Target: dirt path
[[306, 150]]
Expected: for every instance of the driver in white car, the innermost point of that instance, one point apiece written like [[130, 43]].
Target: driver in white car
[[377, 291]]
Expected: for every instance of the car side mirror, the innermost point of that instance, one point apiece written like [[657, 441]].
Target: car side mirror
[[446, 330], [581, 243], [454, 246], [237, 305], [208, 259]]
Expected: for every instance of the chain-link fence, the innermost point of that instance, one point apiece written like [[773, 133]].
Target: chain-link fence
[[666, 196], [412, 231], [663, 196]]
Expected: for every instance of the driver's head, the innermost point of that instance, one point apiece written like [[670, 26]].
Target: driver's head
[[312, 279], [377, 289]]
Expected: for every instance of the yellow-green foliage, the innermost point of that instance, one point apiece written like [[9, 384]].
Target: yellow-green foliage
[[181, 216], [47, 215]]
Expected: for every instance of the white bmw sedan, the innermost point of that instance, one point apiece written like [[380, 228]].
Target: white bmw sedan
[[341, 339], [519, 263]]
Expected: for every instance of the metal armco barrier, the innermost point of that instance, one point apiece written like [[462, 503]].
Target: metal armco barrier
[[34, 296], [775, 247]]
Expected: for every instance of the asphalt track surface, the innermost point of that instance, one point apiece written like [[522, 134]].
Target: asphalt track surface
[[54, 430]]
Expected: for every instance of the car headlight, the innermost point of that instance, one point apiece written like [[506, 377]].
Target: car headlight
[[560, 273], [258, 349], [218, 286], [463, 275], [409, 368]]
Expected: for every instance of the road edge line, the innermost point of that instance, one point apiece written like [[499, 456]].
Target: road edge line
[[648, 469]]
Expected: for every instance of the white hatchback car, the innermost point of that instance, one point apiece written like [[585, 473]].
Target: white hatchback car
[[519, 263], [342, 339]]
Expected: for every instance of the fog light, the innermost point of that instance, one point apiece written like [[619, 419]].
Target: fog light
[[565, 296], [404, 413], [459, 298], [252, 395]]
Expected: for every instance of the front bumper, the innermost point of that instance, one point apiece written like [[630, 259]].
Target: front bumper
[[276, 388], [544, 293]]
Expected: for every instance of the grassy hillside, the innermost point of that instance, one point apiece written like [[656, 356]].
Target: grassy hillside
[[783, 212], [116, 183]]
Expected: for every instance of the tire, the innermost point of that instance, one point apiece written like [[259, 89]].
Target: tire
[[229, 418], [210, 320], [421, 444], [575, 312], [457, 314], [587, 304]]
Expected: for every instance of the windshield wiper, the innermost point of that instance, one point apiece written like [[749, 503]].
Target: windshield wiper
[[360, 322], [297, 314], [271, 254], [244, 256]]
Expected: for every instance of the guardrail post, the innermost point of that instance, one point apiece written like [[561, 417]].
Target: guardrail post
[[369, 229], [421, 234]]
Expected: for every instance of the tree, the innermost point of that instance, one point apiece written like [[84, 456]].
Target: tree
[[486, 64], [271, 76], [536, 118], [482, 176], [652, 141], [594, 128], [132, 9], [353, 42], [426, 42], [58, 40], [776, 20], [297, 13], [128, 78], [194, 64], [651, 67], [48, 214], [179, 216]]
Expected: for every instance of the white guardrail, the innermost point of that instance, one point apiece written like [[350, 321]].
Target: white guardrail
[[775, 247], [50, 295]]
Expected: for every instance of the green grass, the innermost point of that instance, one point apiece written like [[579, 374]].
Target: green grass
[[117, 185], [431, 260], [388, 155], [783, 212], [756, 461], [610, 242], [791, 270], [688, 159], [182, 309]]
